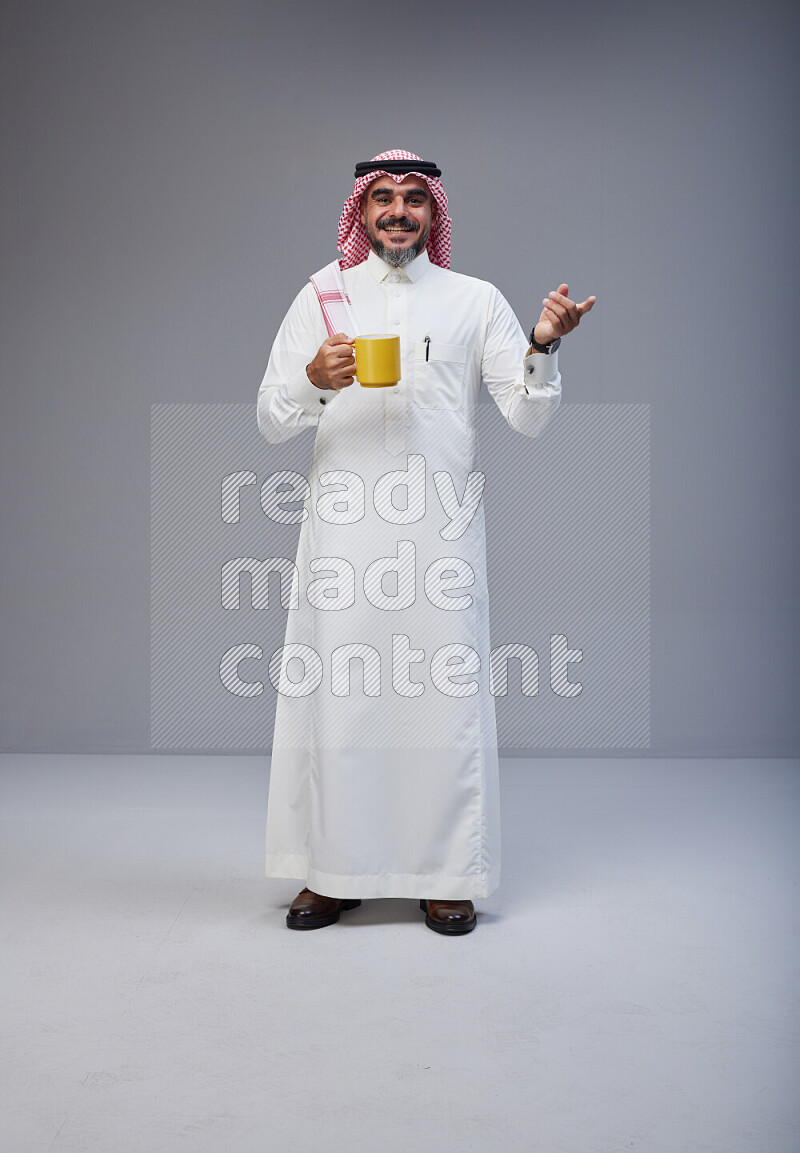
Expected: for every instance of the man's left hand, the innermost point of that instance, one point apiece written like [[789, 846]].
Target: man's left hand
[[560, 315]]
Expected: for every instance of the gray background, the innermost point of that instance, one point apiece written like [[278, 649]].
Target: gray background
[[173, 173]]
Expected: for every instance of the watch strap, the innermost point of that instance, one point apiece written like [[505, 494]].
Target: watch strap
[[545, 348]]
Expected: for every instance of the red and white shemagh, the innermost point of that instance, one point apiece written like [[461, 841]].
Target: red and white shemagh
[[353, 239]]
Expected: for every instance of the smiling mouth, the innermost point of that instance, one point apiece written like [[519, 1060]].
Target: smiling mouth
[[399, 229]]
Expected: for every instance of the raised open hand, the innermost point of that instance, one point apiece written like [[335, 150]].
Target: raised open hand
[[560, 315]]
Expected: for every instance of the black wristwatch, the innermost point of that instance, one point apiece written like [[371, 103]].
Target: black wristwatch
[[545, 348]]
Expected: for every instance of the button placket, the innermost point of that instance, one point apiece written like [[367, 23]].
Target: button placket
[[394, 406]]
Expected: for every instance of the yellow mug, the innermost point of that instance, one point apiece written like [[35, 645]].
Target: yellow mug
[[377, 360]]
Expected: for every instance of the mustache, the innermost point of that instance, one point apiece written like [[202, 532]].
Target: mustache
[[399, 222]]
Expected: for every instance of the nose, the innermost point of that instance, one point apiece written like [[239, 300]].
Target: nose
[[398, 205]]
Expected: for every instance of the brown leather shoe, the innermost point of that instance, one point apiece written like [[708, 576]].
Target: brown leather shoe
[[449, 917], [312, 911]]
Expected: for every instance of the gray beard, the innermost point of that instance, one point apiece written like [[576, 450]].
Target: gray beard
[[398, 257]]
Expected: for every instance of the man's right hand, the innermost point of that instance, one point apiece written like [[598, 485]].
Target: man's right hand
[[334, 365]]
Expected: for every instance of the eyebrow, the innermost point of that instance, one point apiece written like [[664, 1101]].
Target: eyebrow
[[383, 189]]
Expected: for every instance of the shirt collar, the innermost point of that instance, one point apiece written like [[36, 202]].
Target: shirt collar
[[379, 269]]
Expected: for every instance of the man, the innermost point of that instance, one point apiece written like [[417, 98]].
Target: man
[[389, 788]]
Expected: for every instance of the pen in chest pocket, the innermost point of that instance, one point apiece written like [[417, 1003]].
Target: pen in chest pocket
[[427, 347]]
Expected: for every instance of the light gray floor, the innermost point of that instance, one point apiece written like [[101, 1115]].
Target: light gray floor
[[632, 985]]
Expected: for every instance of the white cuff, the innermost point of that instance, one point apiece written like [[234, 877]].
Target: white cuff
[[540, 369], [307, 395]]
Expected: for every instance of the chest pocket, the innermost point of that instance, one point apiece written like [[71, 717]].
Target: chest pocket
[[439, 379]]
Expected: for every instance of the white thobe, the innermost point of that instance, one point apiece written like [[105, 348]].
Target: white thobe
[[384, 776]]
